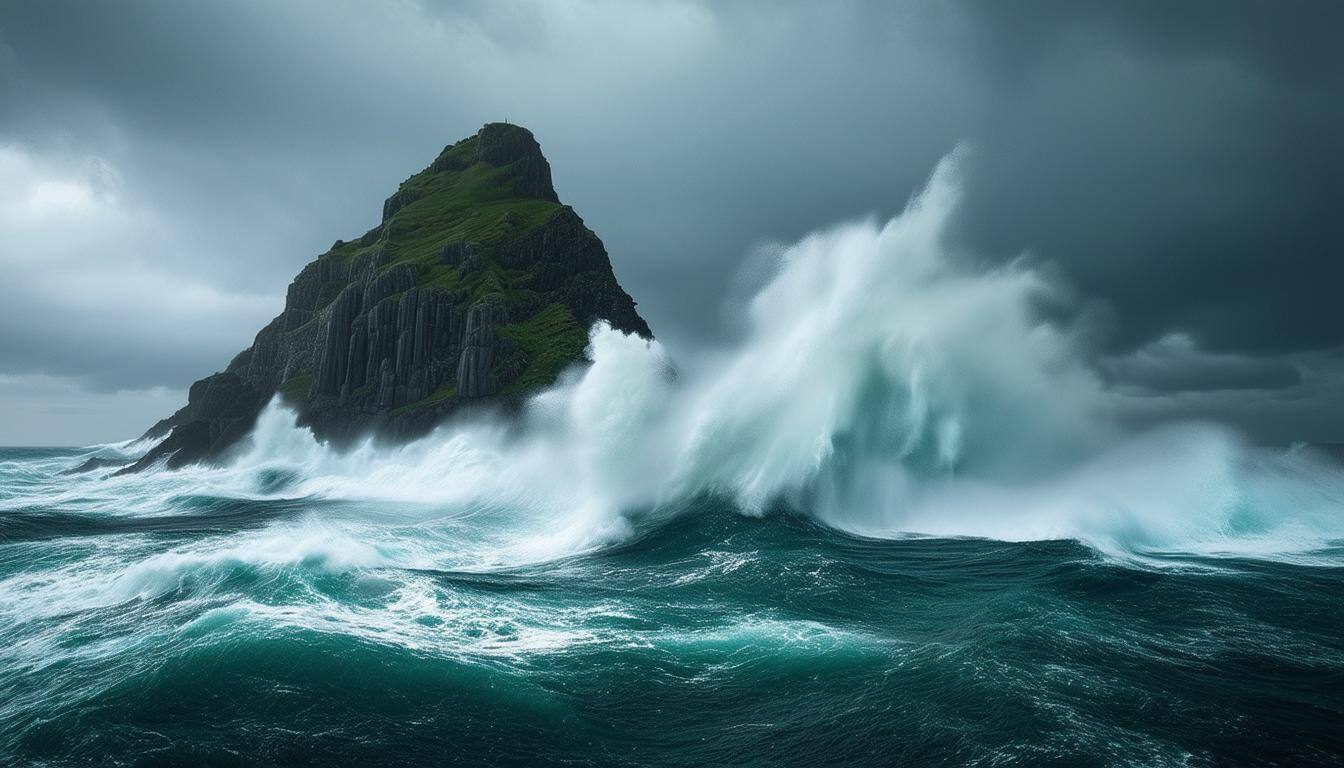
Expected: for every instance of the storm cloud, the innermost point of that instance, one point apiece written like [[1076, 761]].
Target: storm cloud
[[166, 168]]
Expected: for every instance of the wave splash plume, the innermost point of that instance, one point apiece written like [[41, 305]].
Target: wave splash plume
[[880, 387], [899, 520]]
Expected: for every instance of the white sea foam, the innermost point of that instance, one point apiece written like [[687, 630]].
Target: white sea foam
[[881, 385]]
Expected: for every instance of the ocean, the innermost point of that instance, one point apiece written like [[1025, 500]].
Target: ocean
[[896, 520], [165, 620]]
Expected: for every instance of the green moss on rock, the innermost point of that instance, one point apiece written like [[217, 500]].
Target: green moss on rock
[[440, 395], [476, 285], [296, 389], [548, 342]]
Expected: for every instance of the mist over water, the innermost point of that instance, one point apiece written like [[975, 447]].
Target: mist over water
[[899, 520], [881, 389]]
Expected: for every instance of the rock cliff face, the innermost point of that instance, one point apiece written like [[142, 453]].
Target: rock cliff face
[[478, 287]]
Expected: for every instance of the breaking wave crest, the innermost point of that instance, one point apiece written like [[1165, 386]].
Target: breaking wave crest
[[575, 586], [879, 386]]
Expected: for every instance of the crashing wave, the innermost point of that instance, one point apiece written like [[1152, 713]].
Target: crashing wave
[[880, 386]]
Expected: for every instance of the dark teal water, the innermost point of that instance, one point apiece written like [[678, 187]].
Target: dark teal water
[[155, 622]]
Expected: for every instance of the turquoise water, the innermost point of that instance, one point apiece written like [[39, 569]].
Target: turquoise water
[[899, 520], [148, 621]]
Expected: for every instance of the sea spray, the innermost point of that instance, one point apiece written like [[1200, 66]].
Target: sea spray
[[918, 457], [881, 386]]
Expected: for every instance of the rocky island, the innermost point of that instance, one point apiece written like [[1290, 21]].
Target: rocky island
[[478, 287]]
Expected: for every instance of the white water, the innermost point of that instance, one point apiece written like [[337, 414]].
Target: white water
[[879, 386]]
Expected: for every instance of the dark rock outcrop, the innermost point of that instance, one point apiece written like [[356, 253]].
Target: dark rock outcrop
[[477, 287], [93, 464], [475, 366], [220, 410], [399, 199], [501, 144]]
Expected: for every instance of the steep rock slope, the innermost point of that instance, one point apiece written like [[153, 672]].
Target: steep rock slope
[[478, 287]]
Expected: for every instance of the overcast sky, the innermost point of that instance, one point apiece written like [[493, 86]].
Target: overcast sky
[[166, 168]]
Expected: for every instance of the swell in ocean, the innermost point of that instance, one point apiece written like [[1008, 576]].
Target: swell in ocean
[[899, 520]]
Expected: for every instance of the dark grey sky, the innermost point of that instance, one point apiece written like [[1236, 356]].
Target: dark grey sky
[[167, 167]]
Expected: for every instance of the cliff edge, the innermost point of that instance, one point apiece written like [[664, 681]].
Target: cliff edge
[[478, 287]]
